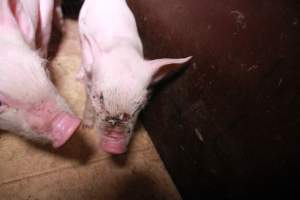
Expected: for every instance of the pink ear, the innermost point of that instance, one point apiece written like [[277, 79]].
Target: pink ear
[[90, 40], [161, 67], [24, 22], [6, 16], [13, 15], [89, 48]]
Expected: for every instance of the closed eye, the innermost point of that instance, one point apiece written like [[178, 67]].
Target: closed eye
[[3, 106], [101, 98]]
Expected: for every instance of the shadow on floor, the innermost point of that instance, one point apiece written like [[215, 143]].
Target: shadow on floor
[[141, 186], [136, 186], [75, 149]]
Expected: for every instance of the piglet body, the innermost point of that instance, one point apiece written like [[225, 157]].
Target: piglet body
[[113, 67], [29, 103]]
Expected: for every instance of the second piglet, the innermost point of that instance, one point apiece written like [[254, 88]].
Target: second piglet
[[116, 75], [29, 103]]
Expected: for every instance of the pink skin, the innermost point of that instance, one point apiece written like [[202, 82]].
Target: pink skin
[[46, 120], [114, 142], [115, 137], [57, 125], [113, 68], [29, 103], [63, 128], [40, 13]]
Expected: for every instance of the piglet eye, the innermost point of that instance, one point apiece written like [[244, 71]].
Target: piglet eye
[[124, 117], [3, 106], [101, 98]]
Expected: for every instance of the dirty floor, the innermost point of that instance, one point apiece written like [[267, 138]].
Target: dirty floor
[[79, 170]]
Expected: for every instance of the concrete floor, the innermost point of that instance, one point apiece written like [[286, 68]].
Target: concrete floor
[[79, 170]]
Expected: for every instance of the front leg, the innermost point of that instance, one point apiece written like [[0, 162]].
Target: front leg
[[89, 114]]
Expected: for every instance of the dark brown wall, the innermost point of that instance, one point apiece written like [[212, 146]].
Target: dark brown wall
[[229, 125], [241, 93], [71, 8]]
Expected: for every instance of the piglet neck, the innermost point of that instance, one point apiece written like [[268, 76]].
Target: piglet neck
[[128, 53], [126, 45]]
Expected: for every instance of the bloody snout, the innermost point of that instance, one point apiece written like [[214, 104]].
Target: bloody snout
[[114, 142]]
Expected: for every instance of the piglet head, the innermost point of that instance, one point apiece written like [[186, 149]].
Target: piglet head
[[119, 90], [29, 103], [116, 114]]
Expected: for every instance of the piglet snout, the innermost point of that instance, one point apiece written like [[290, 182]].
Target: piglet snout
[[63, 128], [114, 142]]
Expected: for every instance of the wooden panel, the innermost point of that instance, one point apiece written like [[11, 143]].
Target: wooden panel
[[229, 124]]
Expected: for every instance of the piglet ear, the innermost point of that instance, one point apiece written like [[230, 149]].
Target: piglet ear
[[6, 16], [13, 15], [159, 68], [89, 48], [24, 21]]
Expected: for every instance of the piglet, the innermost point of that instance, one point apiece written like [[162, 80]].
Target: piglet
[[29, 103], [113, 68]]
